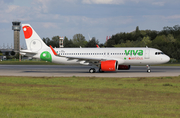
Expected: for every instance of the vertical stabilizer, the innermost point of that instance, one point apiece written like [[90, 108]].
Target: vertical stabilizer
[[33, 41]]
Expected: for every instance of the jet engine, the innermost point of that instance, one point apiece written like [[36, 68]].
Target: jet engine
[[109, 65]]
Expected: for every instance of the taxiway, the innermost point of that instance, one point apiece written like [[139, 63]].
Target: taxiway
[[83, 71]]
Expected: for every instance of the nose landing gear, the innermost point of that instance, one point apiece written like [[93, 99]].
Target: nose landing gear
[[148, 69]]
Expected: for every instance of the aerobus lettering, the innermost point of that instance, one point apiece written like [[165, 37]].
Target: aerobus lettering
[[134, 52]]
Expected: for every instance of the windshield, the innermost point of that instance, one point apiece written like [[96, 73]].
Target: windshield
[[159, 53]]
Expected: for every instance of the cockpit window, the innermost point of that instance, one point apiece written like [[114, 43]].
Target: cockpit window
[[159, 53]]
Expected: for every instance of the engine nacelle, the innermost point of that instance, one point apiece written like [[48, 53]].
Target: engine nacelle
[[109, 65], [124, 67]]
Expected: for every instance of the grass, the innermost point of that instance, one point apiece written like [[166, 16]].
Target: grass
[[79, 97]]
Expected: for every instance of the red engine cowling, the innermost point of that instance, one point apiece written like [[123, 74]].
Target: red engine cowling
[[109, 65], [124, 67]]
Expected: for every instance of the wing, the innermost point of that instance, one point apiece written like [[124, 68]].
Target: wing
[[85, 60]]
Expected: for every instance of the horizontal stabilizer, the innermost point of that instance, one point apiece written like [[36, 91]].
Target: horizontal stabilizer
[[27, 51]]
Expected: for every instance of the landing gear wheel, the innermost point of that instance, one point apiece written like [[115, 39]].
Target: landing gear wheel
[[101, 71], [92, 70], [148, 69]]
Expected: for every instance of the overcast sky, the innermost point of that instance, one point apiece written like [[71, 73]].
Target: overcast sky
[[98, 18]]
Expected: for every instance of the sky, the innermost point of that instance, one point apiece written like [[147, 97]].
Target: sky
[[98, 18]]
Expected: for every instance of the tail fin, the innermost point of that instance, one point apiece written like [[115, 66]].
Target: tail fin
[[33, 41]]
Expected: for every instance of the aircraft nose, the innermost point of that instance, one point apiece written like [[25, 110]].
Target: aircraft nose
[[167, 58]]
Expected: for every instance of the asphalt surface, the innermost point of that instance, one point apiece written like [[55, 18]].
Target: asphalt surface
[[83, 71]]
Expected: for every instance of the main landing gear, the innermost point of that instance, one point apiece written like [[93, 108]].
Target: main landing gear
[[148, 69], [92, 70], [100, 70]]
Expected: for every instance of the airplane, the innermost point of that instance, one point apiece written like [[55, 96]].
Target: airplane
[[106, 59]]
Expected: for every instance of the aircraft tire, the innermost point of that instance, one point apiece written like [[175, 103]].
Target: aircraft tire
[[101, 71], [148, 70], [92, 70]]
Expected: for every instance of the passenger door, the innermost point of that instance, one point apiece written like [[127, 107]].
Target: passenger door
[[147, 54]]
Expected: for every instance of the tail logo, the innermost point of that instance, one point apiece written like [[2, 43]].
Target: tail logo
[[27, 32], [46, 56]]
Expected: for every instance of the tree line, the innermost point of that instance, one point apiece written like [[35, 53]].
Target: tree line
[[77, 41], [167, 40]]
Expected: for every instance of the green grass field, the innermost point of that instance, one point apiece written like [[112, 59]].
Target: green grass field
[[83, 97]]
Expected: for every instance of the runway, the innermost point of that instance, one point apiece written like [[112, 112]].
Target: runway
[[83, 71]]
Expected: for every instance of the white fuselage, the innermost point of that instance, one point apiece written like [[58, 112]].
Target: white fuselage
[[124, 56]]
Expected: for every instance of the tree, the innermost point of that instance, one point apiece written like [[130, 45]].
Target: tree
[[92, 43], [65, 42], [110, 43], [170, 38], [79, 40], [146, 41], [55, 41], [46, 41], [137, 30], [71, 44], [101, 45], [68, 43]]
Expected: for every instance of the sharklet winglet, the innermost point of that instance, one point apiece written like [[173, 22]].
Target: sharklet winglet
[[97, 46]]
